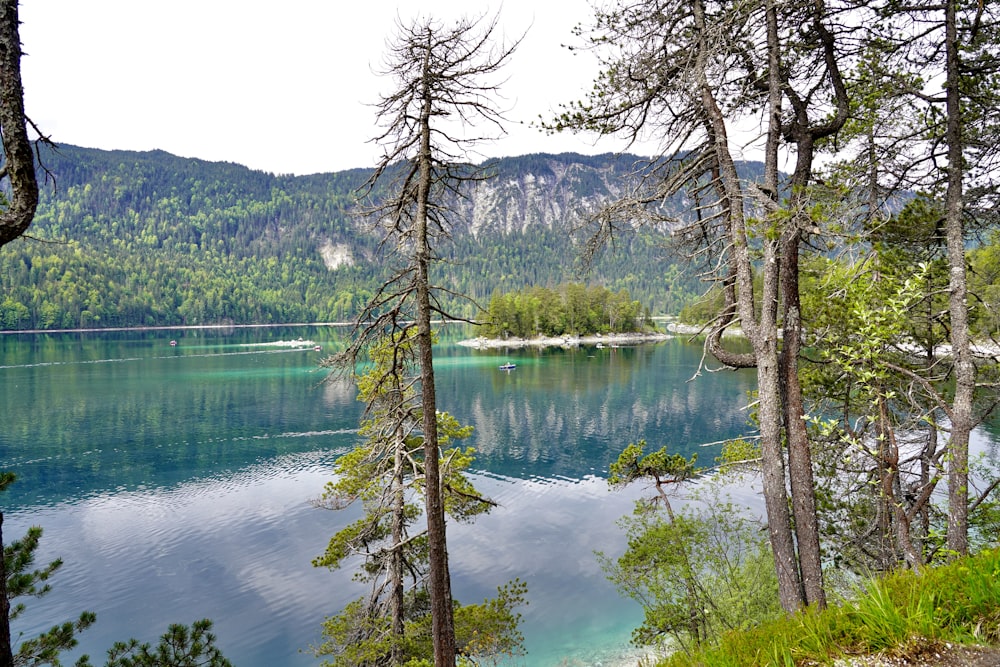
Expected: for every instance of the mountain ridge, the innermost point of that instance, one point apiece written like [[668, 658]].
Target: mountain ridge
[[148, 238]]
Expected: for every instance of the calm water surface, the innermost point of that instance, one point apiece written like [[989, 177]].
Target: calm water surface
[[175, 482]]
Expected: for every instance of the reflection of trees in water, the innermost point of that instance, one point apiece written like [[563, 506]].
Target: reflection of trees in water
[[338, 392], [172, 414], [566, 414], [125, 413]]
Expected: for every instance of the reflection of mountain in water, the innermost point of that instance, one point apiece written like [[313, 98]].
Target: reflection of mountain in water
[[87, 415], [569, 412]]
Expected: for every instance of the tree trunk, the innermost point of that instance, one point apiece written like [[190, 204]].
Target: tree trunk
[[396, 564], [965, 371], [775, 495], [763, 337], [442, 620], [804, 135], [20, 165], [800, 470], [892, 497], [926, 460]]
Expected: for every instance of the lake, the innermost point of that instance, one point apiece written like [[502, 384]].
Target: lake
[[176, 481]]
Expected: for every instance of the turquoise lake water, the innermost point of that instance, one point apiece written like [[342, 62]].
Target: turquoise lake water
[[176, 481]]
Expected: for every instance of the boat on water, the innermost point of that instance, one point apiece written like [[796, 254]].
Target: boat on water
[[508, 366]]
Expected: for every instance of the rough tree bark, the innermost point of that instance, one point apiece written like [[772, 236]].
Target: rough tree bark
[[20, 165], [442, 618], [762, 334], [20, 169], [962, 418]]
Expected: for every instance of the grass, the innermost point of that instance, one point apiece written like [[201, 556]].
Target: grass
[[958, 602]]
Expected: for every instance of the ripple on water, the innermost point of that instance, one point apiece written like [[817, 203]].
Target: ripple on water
[[538, 533], [234, 549], [237, 549]]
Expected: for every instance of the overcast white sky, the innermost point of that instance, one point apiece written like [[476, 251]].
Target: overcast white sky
[[278, 86]]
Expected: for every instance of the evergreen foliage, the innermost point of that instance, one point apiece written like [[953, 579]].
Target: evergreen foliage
[[704, 572], [385, 473], [19, 580], [180, 646], [568, 309], [127, 238], [698, 572], [877, 329]]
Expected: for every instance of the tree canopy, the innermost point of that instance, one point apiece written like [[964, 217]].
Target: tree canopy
[[570, 309]]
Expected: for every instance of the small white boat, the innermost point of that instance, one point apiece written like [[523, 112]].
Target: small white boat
[[508, 366]]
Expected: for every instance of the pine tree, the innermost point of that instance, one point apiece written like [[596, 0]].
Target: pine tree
[[443, 86]]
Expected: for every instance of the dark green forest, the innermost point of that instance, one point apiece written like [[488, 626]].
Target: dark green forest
[[569, 309], [127, 238]]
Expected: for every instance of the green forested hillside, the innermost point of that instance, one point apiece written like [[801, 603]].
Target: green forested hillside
[[151, 239]]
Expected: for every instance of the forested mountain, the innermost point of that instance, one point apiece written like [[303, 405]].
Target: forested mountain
[[127, 238]]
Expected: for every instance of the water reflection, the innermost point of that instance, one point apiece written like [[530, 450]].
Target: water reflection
[[238, 550], [568, 413], [234, 549], [144, 419], [176, 481]]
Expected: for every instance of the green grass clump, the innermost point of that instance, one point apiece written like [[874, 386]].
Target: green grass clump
[[958, 602]]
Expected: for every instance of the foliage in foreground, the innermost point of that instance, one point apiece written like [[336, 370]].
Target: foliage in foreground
[[484, 632], [180, 646], [697, 572], [958, 602], [392, 624]]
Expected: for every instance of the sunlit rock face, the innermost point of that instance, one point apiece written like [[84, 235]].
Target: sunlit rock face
[[336, 255], [540, 191]]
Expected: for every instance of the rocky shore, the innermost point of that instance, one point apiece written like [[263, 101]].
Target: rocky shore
[[700, 330], [607, 340]]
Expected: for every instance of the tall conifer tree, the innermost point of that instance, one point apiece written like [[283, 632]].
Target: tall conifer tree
[[445, 85]]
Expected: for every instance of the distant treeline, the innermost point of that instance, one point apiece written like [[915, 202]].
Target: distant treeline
[[568, 309], [124, 238]]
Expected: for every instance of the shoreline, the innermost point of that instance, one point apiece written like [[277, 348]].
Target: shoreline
[[696, 330], [176, 327], [612, 340]]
